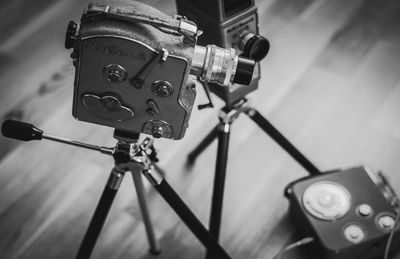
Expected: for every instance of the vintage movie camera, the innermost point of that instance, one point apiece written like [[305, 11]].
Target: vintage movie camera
[[349, 213], [136, 66], [229, 24]]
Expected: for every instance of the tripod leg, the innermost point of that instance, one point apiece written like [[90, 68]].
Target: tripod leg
[[265, 125], [203, 144], [100, 214], [219, 182], [187, 216], [154, 245]]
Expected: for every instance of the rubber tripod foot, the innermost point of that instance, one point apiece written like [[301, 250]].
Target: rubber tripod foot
[[155, 251], [191, 159]]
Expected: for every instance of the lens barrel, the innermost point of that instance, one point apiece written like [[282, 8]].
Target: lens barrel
[[221, 66], [254, 46]]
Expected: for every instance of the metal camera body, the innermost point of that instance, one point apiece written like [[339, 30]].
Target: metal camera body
[[132, 68], [226, 24], [136, 66]]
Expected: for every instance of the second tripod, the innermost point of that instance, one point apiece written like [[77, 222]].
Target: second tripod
[[227, 116]]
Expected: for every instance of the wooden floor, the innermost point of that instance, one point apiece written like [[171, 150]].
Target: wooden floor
[[331, 84]]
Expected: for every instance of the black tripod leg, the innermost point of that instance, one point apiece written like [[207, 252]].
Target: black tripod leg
[[264, 124], [151, 236], [219, 182], [203, 144], [100, 214], [186, 215]]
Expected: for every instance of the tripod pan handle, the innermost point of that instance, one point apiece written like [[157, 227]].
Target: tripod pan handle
[[21, 130]]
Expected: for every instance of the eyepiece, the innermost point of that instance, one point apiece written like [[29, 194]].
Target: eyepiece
[[221, 66], [254, 46]]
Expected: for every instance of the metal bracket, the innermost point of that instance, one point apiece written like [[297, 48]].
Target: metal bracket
[[242, 106], [94, 8], [206, 88], [139, 158], [188, 29]]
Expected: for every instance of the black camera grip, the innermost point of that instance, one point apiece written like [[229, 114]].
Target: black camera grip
[[20, 130]]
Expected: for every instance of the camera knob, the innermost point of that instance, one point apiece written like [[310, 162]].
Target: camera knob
[[386, 222], [158, 129], [162, 88], [364, 210], [354, 233], [70, 35], [157, 132], [115, 73]]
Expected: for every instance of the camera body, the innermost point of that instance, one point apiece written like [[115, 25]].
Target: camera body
[[229, 23], [136, 67], [349, 213], [133, 68]]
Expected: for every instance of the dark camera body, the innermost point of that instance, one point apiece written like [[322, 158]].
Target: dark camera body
[[355, 213], [131, 75], [224, 22]]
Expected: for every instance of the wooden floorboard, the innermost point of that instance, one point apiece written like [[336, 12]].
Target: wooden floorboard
[[330, 84]]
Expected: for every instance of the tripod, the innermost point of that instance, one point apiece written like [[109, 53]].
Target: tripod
[[227, 116], [130, 156]]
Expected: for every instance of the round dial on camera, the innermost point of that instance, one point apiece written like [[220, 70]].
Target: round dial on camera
[[162, 88], [385, 221], [327, 200], [157, 128], [354, 233], [115, 73], [364, 210]]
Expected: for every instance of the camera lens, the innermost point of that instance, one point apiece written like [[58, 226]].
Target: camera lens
[[254, 46], [221, 66], [244, 71]]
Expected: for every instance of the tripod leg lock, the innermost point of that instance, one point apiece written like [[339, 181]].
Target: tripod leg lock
[[224, 127], [115, 179], [251, 112], [152, 175]]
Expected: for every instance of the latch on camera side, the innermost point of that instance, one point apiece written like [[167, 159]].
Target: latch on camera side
[[187, 28]]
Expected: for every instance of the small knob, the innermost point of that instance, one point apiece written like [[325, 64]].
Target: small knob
[[364, 210], [70, 38], [158, 129], [386, 222], [162, 88], [115, 73], [157, 132], [354, 233], [153, 108]]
